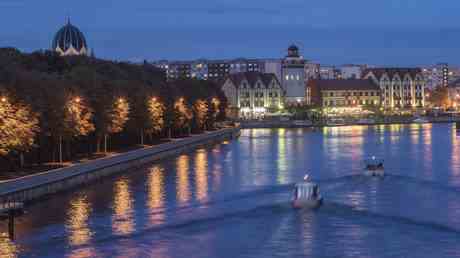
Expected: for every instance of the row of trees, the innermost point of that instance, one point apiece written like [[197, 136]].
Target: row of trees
[[55, 109]]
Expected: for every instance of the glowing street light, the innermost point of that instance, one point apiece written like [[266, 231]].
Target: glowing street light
[[3, 99], [77, 99]]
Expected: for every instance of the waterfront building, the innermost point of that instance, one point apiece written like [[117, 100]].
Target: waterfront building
[[293, 76], [402, 88], [453, 93], [252, 94], [273, 65], [342, 95], [70, 41]]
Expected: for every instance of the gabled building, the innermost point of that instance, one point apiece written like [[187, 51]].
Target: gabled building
[[402, 88], [344, 93], [253, 94]]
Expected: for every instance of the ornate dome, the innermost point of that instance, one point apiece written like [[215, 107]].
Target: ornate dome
[[69, 40]]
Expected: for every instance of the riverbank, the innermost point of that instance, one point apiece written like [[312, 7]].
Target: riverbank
[[34, 186], [307, 124]]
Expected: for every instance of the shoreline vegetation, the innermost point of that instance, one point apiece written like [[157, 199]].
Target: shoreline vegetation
[[55, 110]]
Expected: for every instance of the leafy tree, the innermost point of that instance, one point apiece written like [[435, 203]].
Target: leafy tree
[[200, 113], [18, 127]]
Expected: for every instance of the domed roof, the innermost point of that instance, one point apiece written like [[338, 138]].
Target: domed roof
[[293, 51], [293, 48], [69, 40]]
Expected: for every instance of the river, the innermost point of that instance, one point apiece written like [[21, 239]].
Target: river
[[232, 200]]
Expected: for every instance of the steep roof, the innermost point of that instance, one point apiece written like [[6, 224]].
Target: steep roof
[[349, 84], [252, 78], [392, 71]]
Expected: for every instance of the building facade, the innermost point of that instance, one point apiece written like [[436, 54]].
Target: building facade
[[437, 75], [293, 76], [453, 93], [203, 69], [344, 93], [253, 94], [402, 88]]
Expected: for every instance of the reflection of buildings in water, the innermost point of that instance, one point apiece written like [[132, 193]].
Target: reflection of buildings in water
[[415, 132], [281, 160], [182, 184], [123, 219], [427, 150], [455, 156], [77, 221], [156, 194], [201, 175], [7, 247]]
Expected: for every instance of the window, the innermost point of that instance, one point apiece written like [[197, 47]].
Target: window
[[287, 77], [331, 94]]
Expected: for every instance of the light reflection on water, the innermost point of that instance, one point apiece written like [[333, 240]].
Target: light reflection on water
[[182, 185], [123, 218], [201, 175], [156, 195], [77, 224], [243, 185]]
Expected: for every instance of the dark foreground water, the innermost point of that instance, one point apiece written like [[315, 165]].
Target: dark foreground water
[[232, 200]]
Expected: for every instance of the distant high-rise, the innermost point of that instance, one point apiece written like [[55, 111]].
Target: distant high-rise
[[70, 41]]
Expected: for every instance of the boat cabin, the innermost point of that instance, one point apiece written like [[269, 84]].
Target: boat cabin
[[306, 191]]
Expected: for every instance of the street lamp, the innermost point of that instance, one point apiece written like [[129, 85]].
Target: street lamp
[[3, 99], [77, 99]]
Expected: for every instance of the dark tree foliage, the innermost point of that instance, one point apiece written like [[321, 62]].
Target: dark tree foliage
[[81, 102]]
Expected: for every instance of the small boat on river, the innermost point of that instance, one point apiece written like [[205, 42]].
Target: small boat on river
[[374, 167], [306, 195]]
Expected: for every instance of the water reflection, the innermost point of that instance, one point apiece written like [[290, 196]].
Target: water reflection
[[182, 184], [77, 221], [156, 194], [281, 159], [7, 247], [201, 175], [122, 221]]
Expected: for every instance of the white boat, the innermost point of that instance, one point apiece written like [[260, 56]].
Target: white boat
[[306, 195], [374, 167], [420, 120]]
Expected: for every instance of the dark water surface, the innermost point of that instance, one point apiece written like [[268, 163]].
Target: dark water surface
[[232, 200]]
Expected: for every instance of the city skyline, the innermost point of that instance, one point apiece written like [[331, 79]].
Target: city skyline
[[394, 35]]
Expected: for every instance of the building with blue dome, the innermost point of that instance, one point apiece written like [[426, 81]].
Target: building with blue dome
[[70, 41]]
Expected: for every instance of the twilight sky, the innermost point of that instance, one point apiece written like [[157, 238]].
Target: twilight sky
[[381, 32]]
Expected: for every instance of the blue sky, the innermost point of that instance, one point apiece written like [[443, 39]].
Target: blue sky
[[389, 32]]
